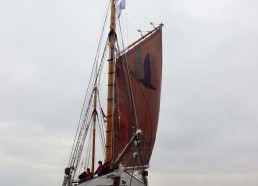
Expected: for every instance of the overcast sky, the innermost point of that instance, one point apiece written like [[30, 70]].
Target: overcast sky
[[208, 125]]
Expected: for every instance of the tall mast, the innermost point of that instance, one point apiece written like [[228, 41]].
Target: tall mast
[[94, 130], [111, 81]]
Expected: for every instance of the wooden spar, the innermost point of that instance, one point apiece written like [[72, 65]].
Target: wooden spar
[[125, 150], [94, 130], [135, 137], [111, 81], [142, 38]]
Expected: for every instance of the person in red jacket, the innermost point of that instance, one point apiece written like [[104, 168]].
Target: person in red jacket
[[99, 169], [88, 174], [82, 176]]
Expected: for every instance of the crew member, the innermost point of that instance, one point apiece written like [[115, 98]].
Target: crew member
[[88, 174], [82, 176], [99, 169]]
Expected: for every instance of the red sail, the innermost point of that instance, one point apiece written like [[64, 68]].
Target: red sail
[[144, 70]]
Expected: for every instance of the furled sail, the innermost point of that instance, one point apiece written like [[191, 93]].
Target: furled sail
[[138, 108]]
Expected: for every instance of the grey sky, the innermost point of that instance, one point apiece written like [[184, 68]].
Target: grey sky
[[208, 121]]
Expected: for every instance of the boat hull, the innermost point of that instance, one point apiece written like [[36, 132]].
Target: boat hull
[[116, 178]]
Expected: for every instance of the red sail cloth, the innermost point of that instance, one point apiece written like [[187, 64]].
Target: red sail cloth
[[145, 72]]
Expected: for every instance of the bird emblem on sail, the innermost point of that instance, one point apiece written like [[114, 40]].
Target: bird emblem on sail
[[144, 79]]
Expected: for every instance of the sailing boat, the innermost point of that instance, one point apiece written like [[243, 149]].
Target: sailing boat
[[131, 120]]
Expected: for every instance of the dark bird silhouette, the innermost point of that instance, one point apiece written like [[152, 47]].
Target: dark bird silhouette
[[146, 80]]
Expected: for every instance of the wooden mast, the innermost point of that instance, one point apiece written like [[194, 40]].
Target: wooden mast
[[111, 81], [94, 130]]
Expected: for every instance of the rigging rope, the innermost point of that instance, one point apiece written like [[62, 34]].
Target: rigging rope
[[130, 88], [85, 115]]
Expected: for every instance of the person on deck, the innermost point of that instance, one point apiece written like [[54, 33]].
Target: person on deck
[[105, 168], [88, 174], [99, 169], [82, 176], [85, 176]]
